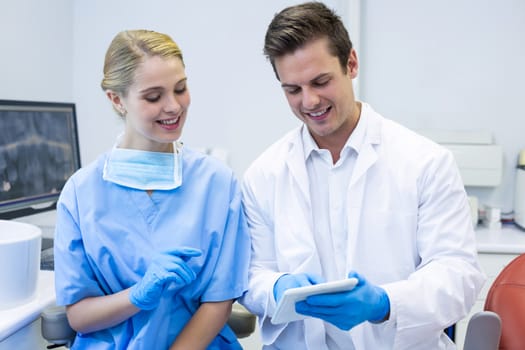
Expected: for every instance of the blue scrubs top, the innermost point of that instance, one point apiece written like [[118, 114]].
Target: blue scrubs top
[[106, 236]]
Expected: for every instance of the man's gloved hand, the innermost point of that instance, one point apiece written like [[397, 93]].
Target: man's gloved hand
[[164, 268], [366, 302], [293, 281]]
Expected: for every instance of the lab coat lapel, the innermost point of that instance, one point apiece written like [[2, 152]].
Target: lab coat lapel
[[365, 160], [297, 168], [295, 198]]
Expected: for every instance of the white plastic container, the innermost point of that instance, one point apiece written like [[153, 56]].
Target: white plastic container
[[20, 246]]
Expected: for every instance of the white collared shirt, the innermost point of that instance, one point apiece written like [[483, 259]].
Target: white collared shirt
[[328, 187]]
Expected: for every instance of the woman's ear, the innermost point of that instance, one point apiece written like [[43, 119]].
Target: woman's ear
[[116, 101]]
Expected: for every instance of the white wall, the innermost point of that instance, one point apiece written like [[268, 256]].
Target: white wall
[[237, 104], [448, 64], [36, 46], [427, 64]]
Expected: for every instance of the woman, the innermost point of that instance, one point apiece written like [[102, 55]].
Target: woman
[[151, 246]]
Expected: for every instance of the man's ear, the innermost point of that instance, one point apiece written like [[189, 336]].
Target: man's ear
[[352, 65]]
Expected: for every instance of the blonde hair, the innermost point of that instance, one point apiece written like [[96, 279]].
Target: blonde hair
[[127, 51]]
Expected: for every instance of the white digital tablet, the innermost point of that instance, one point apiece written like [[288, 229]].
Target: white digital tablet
[[285, 311]]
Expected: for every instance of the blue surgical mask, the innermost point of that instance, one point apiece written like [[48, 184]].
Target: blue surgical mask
[[144, 170]]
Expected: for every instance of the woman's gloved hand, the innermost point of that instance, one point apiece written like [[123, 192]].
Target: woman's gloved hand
[[165, 268], [366, 302], [293, 281]]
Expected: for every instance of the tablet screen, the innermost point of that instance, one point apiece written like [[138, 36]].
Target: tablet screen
[[285, 311]]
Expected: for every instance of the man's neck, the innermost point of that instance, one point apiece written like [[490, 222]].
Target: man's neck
[[336, 141]]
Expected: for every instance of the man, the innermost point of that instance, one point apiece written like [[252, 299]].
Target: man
[[352, 194]]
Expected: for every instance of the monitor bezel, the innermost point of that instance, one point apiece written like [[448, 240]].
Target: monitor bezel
[[45, 202]]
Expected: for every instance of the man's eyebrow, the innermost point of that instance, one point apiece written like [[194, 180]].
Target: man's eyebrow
[[320, 76], [284, 85]]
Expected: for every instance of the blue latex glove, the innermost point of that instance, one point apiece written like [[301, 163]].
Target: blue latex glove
[[165, 268], [293, 281], [366, 302]]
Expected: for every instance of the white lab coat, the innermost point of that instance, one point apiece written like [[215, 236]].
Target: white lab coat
[[409, 230]]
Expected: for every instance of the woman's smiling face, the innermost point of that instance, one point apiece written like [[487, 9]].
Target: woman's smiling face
[[156, 104]]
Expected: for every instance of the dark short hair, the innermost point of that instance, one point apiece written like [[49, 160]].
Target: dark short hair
[[298, 25]]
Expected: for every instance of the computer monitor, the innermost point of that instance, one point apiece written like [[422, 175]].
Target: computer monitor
[[39, 151]]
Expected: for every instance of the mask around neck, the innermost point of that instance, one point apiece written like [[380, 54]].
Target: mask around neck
[[144, 170]]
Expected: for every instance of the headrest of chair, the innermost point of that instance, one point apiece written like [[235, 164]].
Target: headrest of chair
[[506, 297]]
